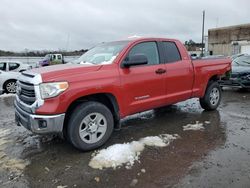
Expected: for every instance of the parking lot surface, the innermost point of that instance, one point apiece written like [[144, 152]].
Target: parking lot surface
[[216, 156]]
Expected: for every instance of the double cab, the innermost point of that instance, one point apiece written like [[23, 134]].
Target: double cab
[[84, 101]]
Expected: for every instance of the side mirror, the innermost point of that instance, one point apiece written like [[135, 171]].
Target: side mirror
[[137, 59]]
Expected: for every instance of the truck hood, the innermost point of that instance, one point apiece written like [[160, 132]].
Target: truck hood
[[62, 72]]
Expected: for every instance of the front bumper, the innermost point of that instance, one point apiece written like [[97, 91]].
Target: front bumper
[[39, 124], [236, 83]]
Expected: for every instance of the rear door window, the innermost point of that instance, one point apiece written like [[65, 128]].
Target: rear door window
[[172, 53], [13, 66]]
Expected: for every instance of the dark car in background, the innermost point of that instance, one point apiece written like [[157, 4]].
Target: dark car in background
[[240, 75]]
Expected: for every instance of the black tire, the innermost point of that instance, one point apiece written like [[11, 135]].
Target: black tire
[[7, 86], [211, 103], [76, 123]]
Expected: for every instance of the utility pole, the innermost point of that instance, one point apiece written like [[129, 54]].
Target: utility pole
[[202, 36]]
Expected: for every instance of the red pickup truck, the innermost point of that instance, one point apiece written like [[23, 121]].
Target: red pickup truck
[[85, 101]]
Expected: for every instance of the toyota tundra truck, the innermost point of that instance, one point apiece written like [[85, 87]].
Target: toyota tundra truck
[[85, 101]]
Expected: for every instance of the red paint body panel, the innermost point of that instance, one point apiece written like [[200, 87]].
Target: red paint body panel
[[136, 89]]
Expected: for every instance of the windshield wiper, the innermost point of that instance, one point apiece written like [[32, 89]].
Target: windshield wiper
[[236, 62], [246, 62]]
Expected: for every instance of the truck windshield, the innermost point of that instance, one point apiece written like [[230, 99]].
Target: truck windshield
[[102, 54]]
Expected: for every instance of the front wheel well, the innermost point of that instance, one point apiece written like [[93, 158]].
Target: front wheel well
[[107, 99]]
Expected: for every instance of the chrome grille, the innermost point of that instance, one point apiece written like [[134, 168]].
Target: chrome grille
[[26, 92]]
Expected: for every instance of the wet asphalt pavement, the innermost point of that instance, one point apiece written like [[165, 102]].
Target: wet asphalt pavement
[[218, 156]]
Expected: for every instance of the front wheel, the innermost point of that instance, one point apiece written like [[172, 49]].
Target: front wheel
[[212, 97], [90, 126]]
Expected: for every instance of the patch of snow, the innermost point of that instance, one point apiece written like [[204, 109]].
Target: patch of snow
[[127, 153], [196, 126], [97, 179], [62, 186], [133, 182]]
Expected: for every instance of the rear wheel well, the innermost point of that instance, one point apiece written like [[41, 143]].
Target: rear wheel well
[[214, 78], [9, 81], [107, 99]]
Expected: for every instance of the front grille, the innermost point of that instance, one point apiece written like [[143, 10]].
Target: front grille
[[26, 92]]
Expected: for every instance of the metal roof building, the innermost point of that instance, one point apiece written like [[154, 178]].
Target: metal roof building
[[229, 40]]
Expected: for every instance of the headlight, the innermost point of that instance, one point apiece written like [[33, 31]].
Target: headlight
[[53, 89]]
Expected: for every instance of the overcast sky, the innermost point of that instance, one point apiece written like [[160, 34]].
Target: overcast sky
[[78, 24]]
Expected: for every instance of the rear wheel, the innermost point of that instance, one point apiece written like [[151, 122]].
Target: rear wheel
[[10, 86], [90, 126], [212, 97]]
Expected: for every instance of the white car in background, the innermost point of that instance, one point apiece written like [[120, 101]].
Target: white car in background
[[15, 66], [8, 81]]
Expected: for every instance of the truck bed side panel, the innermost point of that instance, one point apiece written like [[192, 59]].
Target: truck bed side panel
[[204, 70]]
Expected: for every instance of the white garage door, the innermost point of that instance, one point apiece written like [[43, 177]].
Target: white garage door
[[245, 49]]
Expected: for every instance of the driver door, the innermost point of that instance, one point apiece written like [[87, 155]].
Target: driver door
[[143, 86]]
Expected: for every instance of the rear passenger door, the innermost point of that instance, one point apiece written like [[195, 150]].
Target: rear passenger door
[[179, 77]]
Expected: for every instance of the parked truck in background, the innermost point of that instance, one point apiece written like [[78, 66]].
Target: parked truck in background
[[85, 101], [51, 59]]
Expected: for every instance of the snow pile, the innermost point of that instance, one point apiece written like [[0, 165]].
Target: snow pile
[[117, 155], [196, 126]]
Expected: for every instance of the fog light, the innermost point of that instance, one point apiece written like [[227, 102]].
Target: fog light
[[42, 124]]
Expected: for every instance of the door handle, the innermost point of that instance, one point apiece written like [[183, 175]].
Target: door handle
[[160, 71]]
